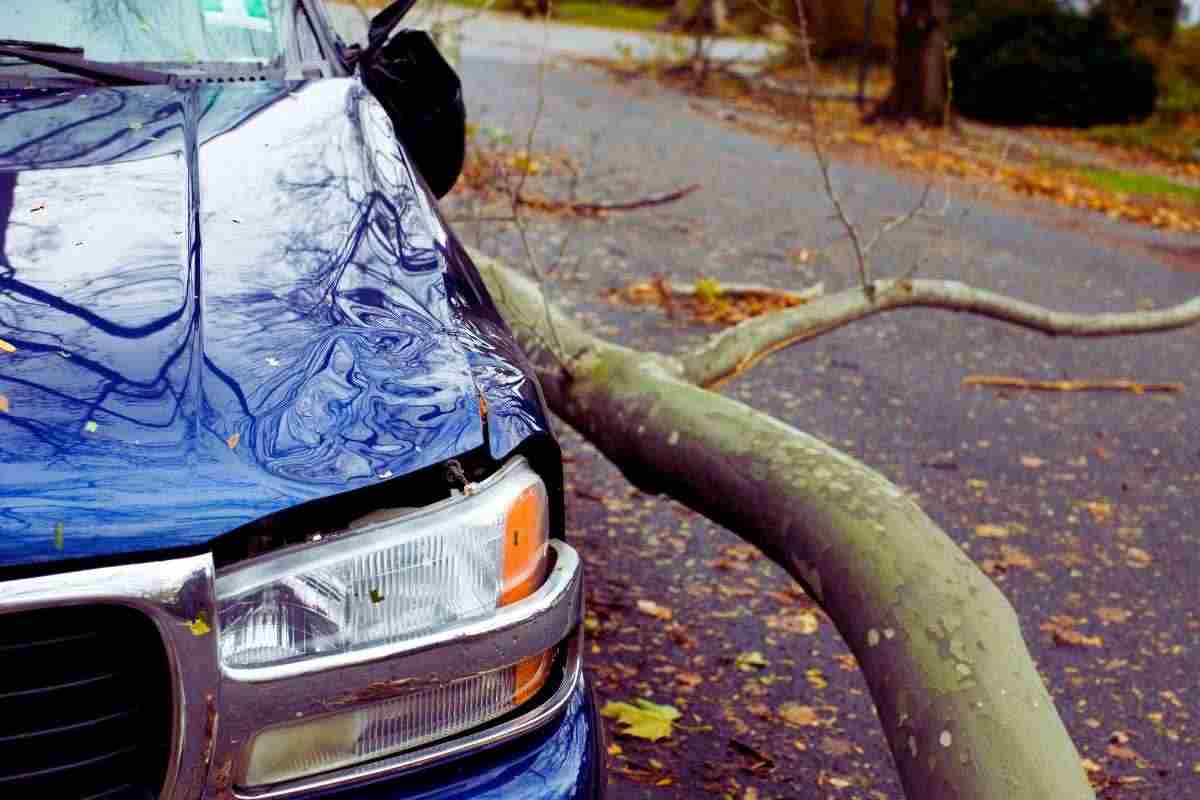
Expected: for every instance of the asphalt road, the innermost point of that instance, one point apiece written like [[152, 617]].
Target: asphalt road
[[1087, 501]]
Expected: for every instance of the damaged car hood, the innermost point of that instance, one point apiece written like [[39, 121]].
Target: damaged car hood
[[220, 302]]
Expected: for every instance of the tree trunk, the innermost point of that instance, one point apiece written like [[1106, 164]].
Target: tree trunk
[[960, 700], [699, 16], [920, 79]]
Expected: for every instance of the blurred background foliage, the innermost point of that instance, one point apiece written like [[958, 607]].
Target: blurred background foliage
[[1128, 39]]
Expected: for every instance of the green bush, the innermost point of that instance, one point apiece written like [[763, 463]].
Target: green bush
[[1051, 68], [969, 16]]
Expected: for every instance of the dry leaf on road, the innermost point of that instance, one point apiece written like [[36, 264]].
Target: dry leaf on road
[[653, 609], [642, 719]]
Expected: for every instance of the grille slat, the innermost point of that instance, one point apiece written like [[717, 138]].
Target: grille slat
[[111, 794], [61, 768], [9, 648], [84, 704], [75, 726], [58, 687]]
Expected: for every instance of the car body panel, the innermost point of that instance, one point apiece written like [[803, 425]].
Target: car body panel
[[226, 300]]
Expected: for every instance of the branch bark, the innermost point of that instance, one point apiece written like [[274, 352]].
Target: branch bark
[[960, 700], [731, 351]]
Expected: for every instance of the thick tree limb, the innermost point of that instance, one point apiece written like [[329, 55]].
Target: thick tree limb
[[729, 352], [959, 698]]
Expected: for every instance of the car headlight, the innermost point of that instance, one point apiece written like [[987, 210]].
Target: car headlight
[[379, 599], [331, 741], [393, 580]]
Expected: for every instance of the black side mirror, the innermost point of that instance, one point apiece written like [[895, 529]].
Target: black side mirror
[[422, 95]]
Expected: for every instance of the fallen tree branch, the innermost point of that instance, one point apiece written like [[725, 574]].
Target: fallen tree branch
[[644, 202], [547, 204], [749, 290], [727, 352], [961, 703], [1115, 385], [660, 290]]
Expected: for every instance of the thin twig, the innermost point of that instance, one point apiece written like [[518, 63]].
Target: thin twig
[[810, 67], [900, 221], [515, 195], [1103, 385], [598, 207]]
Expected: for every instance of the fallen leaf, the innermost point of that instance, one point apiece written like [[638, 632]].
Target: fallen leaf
[[1091, 766], [798, 715], [1137, 558], [642, 718], [1010, 557], [836, 747], [750, 661], [1121, 752], [4, 404], [233, 440], [1111, 616], [760, 710], [1073, 637], [815, 678], [760, 762], [5, 347], [58, 537], [1099, 509], [199, 626], [1032, 462], [803, 622], [988, 531], [90, 426], [742, 552], [653, 609]]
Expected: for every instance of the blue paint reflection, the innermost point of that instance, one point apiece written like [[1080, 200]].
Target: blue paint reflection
[[225, 301]]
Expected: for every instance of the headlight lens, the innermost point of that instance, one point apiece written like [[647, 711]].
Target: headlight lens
[[380, 729], [395, 579]]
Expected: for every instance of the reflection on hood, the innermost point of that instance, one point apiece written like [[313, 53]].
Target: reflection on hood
[[223, 302]]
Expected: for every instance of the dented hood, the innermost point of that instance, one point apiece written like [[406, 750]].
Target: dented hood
[[221, 302]]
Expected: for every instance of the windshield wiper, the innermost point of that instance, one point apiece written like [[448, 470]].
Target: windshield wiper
[[42, 47], [71, 60]]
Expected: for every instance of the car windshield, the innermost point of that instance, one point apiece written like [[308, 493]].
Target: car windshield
[[153, 31]]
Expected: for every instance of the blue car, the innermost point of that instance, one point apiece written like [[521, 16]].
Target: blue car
[[281, 509]]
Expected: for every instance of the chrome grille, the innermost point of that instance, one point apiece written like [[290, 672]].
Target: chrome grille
[[84, 705]]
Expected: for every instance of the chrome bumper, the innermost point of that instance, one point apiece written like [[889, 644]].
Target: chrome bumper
[[218, 710]]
